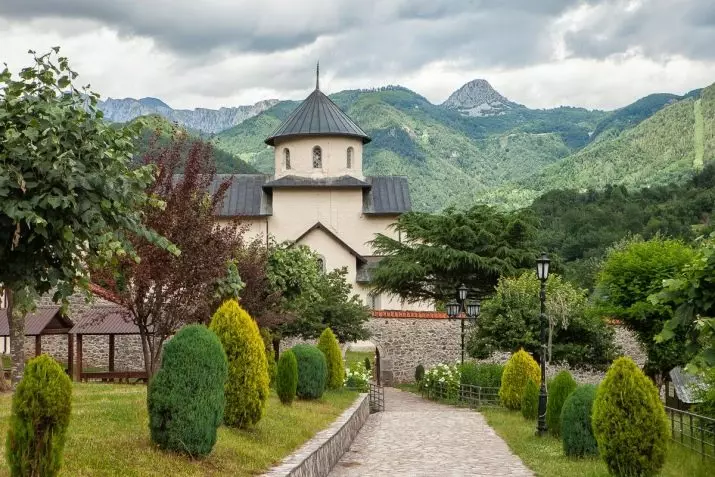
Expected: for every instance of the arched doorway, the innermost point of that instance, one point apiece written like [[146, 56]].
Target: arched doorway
[[360, 351]]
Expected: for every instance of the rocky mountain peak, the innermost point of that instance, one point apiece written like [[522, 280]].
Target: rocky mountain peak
[[478, 98]]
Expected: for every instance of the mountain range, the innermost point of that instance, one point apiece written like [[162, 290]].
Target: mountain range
[[478, 146]]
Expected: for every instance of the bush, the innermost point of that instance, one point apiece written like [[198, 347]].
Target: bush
[[287, 377], [576, 430], [357, 378], [484, 375], [186, 396], [270, 356], [247, 386], [559, 390], [419, 373], [442, 381], [312, 371], [330, 347], [629, 422], [518, 370], [368, 365], [39, 418], [530, 401]]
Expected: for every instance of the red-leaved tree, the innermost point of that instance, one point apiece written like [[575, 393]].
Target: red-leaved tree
[[164, 292]]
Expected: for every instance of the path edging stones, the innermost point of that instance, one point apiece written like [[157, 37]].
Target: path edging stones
[[318, 456]]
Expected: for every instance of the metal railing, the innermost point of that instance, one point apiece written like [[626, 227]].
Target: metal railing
[[464, 394], [377, 397], [692, 431]]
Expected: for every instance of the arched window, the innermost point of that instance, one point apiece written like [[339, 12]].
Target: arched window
[[286, 157], [317, 158], [321, 263], [350, 158]]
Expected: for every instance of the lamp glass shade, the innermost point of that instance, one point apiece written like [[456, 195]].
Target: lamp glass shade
[[452, 309], [473, 309], [542, 267], [462, 292]]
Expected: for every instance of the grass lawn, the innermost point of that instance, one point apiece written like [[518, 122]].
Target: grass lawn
[[109, 435], [546, 458], [353, 357]]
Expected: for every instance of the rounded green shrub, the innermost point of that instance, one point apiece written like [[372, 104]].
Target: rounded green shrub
[[39, 418], [185, 397], [287, 377], [559, 390], [629, 422], [270, 356], [530, 401], [576, 431], [330, 347], [518, 370], [312, 371], [419, 373], [247, 386], [486, 375]]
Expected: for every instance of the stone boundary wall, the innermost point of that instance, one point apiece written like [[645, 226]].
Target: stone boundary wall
[[318, 456], [128, 355]]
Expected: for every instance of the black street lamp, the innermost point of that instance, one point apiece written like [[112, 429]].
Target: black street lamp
[[463, 310], [542, 273]]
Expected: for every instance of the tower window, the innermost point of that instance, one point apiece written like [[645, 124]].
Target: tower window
[[350, 158], [317, 158], [321, 263], [286, 157], [373, 301]]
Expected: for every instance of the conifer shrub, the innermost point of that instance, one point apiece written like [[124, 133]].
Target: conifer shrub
[[530, 401], [312, 371], [419, 373], [247, 386], [186, 396], [518, 370], [629, 422], [287, 377], [270, 356], [368, 364], [39, 418], [330, 347], [559, 390], [576, 430]]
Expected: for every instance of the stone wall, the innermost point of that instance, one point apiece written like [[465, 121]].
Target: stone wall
[[128, 354]]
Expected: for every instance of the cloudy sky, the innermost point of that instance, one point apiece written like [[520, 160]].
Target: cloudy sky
[[541, 53]]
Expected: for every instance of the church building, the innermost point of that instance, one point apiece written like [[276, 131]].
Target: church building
[[319, 195]]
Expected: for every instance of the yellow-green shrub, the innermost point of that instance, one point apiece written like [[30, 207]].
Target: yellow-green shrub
[[629, 422], [270, 355], [287, 377], [518, 370], [330, 347], [559, 390], [247, 384], [530, 401]]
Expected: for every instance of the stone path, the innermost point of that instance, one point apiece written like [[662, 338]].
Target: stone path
[[416, 437]]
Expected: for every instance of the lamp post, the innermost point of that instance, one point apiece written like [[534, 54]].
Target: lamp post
[[463, 310], [542, 272]]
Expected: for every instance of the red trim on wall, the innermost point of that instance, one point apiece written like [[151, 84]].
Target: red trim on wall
[[104, 293], [422, 315]]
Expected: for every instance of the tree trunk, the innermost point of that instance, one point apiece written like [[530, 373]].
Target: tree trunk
[[277, 348], [147, 353], [16, 324], [551, 333]]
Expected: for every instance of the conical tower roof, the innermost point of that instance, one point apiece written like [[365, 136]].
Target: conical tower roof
[[318, 116]]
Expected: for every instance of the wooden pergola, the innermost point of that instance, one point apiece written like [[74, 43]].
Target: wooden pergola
[[110, 320], [44, 321]]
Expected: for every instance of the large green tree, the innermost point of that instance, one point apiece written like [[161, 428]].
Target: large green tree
[[433, 253], [68, 195]]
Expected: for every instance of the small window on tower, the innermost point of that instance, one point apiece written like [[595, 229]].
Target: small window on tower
[[374, 301], [350, 158], [321, 264], [317, 158], [286, 157]]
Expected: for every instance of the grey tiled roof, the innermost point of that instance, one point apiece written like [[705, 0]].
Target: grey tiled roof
[[297, 181], [318, 115], [388, 195], [245, 196], [686, 385]]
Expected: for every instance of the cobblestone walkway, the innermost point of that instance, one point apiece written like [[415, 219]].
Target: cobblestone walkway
[[416, 437]]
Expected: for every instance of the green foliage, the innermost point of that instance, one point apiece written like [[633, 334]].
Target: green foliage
[[487, 375], [247, 386], [39, 418], [419, 373], [437, 252], [629, 422], [559, 390], [530, 401], [520, 368], [631, 273], [186, 396], [270, 355], [330, 347], [358, 378], [510, 320], [368, 365], [312, 371], [287, 377], [576, 430]]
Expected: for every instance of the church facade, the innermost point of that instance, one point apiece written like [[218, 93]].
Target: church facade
[[319, 195]]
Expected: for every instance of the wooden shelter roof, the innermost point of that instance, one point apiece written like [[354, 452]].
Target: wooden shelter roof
[[46, 320]]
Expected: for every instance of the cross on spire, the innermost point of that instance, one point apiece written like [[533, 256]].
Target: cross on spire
[[317, 75]]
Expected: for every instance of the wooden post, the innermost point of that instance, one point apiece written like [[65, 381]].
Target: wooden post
[[70, 355], [111, 353], [78, 358], [38, 345]]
